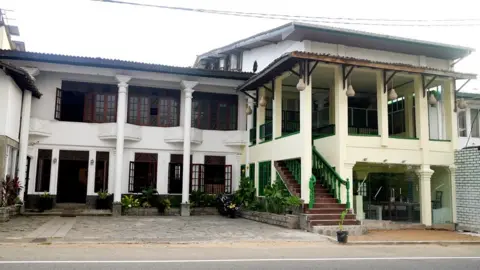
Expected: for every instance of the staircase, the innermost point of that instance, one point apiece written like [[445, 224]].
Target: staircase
[[325, 209]]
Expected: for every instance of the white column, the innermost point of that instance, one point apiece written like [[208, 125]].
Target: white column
[[451, 125], [277, 108], [260, 113], [468, 122], [121, 119], [92, 155], [306, 135], [247, 148], [24, 131], [421, 116], [424, 177], [452, 169], [188, 90], [382, 109], [54, 171]]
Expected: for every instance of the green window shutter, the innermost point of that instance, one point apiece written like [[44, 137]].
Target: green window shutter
[[264, 176], [242, 171], [252, 172]]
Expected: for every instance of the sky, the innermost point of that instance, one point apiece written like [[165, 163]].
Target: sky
[[98, 29]]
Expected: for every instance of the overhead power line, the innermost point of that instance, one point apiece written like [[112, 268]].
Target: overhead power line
[[318, 19]]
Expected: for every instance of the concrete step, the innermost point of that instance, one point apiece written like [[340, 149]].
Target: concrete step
[[330, 205], [334, 222], [324, 211], [333, 216]]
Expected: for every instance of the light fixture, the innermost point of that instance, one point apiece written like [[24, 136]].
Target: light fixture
[[350, 92], [248, 111], [54, 160], [92, 161], [263, 101], [392, 95], [462, 104], [403, 161], [384, 160], [432, 100], [365, 159], [301, 85]]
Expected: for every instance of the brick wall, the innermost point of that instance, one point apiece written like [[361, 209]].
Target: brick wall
[[467, 181]]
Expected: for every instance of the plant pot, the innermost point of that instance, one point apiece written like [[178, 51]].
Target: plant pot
[[161, 209], [103, 203], [342, 237], [45, 204]]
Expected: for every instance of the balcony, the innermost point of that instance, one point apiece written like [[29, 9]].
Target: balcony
[[236, 138], [175, 135], [108, 131], [266, 131], [40, 128]]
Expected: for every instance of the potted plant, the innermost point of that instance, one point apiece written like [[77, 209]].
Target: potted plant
[[45, 202], [293, 205], [163, 205], [103, 201], [129, 202], [342, 236]]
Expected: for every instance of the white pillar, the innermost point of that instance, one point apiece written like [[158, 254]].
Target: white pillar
[[187, 123], [24, 131], [452, 169], [421, 116], [382, 109], [52, 189], [277, 108], [451, 125], [121, 119], [92, 155], [260, 114], [424, 177], [306, 135], [247, 148]]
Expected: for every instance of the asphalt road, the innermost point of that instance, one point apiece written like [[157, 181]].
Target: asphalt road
[[347, 263], [282, 255]]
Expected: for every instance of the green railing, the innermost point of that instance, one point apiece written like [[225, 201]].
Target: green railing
[[294, 166], [253, 136], [330, 178], [311, 185], [266, 131]]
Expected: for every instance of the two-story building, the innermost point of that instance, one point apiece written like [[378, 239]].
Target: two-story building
[[352, 109]]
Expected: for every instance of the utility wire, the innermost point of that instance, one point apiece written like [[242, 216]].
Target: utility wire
[[316, 19]]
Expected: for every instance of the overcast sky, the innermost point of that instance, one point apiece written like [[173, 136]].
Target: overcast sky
[[89, 28]]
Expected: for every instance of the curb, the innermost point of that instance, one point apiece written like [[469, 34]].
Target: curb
[[333, 240]]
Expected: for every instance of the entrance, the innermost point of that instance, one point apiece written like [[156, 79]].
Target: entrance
[[72, 177]]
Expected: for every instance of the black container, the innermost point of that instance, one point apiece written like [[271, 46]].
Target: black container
[[103, 203], [342, 237], [45, 203]]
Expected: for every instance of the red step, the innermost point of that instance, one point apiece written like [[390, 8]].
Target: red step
[[330, 216], [325, 200], [329, 205], [324, 211]]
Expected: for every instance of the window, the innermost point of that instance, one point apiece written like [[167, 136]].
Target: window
[[102, 106], [264, 176], [143, 172], [474, 115], [153, 107], [396, 116], [462, 124], [101, 171], [44, 164], [214, 111]]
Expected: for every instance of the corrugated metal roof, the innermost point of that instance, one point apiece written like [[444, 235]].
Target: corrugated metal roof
[[120, 64]]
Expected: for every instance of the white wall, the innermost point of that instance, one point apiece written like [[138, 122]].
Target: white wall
[[62, 135], [10, 107], [266, 54]]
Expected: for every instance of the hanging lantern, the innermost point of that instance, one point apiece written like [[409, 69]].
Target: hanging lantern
[[432, 100], [263, 101], [392, 95], [462, 104], [301, 85], [248, 111], [350, 92]]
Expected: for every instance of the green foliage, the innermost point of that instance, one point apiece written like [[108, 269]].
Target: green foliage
[[342, 218], [103, 194], [293, 201], [128, 201], [245, 194], [9, 190], [163, 204], [46, 195], [275, 199], [148, 195], [201, 199]]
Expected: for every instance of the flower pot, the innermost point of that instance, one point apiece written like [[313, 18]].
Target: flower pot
[[45, 203], [161, 209], [342, 237], [103, 203]]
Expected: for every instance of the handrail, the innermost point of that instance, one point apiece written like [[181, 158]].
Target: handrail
[[266, 131], [294, 166], [281, 179], [329, 176], [311, 184]]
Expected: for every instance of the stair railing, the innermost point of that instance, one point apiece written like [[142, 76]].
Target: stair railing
[[294, 166], [330, 177], [311, 184]]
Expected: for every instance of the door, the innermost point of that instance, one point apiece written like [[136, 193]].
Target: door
[[175, 176]]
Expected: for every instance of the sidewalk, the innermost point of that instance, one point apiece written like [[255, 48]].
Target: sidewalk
[[195, 229]]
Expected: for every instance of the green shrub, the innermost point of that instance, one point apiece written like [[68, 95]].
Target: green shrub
[[148, 195], [245, 194], [128, 201]]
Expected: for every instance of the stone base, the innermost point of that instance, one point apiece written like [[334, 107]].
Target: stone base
[[287, 221], [204, 211], [116, 209], [391, 225], [185, 210], [4, 214], [352, 230]]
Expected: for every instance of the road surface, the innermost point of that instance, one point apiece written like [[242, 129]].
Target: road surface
[[236, 256]]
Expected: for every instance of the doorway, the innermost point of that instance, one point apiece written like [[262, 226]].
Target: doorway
[[72, 177]]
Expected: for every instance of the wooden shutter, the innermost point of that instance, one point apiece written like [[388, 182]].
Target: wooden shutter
[[228, 178], [131, 177], [88, 108], [58, 104]]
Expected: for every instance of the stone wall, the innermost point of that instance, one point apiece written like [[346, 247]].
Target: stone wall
[[174, 211], [287, 221], [467, 182]]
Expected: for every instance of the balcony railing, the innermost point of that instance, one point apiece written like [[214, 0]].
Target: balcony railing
[[266, 131]]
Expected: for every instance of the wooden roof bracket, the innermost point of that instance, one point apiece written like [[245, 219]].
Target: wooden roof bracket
[[456, 91], [425, 86], [387, 80], [345, 76]]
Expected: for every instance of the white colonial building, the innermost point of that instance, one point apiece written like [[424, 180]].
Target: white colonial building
[[344, 118]]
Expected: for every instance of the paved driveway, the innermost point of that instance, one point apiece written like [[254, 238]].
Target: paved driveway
[[155, 229]]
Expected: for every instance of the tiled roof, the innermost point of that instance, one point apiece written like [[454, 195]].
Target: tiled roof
[[120, 64], [23, 80]]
